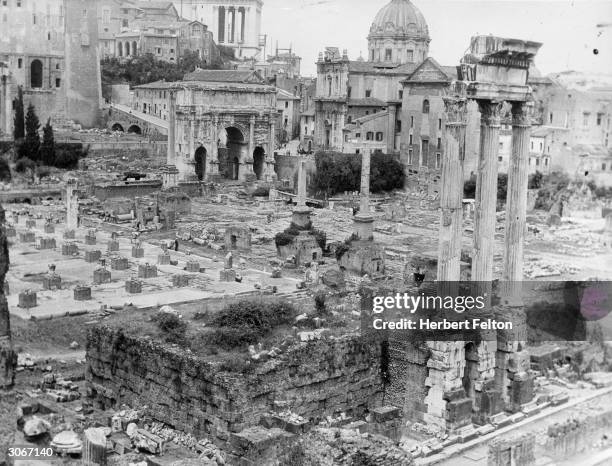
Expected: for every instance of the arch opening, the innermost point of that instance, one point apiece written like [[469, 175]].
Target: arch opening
[[36, 74], [200, 163], [259, 158], [231, 148], [135, 129], [117, 127]]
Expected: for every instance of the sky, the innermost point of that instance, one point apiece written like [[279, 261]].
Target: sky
[[567, 28]]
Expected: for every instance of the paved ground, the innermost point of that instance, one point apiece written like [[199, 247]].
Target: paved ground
[[29, 265]]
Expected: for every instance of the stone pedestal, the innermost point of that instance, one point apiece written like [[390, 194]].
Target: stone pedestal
[[147, 271], [52, 282], [69, 249], [192, 266], [69, 234], [90, 240], [93, 256], [46, 243], [101, 276], [113, 246], [227, 275], [27, 237], [180, 280], [120, 263], [133, 286], [137, 253], [364, 226], [94, 447], [163, 259], [30, 223], [301, 217], [27, 299], [82, 293], [49, 228], [11, 232]]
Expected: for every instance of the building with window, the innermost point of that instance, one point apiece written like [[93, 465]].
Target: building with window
[[288, 106], [49, 48]]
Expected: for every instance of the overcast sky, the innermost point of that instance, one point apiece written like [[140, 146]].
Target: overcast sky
[[567, 28]]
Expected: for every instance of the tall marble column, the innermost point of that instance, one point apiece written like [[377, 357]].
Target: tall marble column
[[486, 191], [301, 188], [516, 204], [451, 195], [214, 146], [391, 129], [364, 221], [171, 158], [251, 136]]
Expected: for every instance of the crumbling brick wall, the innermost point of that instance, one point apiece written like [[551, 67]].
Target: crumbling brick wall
[[314, 379]]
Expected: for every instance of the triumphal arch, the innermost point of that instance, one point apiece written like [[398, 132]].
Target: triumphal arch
[[222, 127]]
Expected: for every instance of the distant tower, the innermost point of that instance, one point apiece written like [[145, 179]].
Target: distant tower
[[399, 34]]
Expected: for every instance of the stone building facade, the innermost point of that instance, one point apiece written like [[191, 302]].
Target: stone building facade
[[222, 123], [50, 49], [234, 23]]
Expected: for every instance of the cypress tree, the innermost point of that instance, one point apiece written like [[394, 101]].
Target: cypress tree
[[47, 149], [31, 145], [18, 118]]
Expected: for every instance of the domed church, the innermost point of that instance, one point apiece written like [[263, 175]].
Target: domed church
[[391, 103]]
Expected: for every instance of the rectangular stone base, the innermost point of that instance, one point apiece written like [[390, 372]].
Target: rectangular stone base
[[82, 293], [52, 282], [113, 246], [137, 253], [69, 234], [11, 232], [69, 249], [227, 275], [90, 240], [101, 276], [133, 286], [27, 300], [93, 256], [30, 223], [163, 259], [27, 237], [180, 280], [147, 271], [120, 263], [46, 243], [193, 267], [49, 229]]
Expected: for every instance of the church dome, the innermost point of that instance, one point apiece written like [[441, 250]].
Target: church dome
[[400, 17]]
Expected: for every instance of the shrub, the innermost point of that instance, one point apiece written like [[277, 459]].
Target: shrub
[[173, 327], [24, 164], [262, 191], [283, 239], [320, 306], [235, 363], [230, 338], [258, 316], [5, 170], [321, 238]]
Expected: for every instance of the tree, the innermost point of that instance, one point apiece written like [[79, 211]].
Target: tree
[[18, 119], [47, 150], [31, 146]]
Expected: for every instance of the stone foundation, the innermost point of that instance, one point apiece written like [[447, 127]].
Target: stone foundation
[[163, 259], [113, 246], [69, 234], [137, 253], [82, 293], [120, 263], [147, 271], [227, 275], [93, 256], [27, 299], [180, 280], [101, 276], [52, 282], [193, 267], [27, 237], [46, 243], [133, 286], [314, 380], [69, 249]]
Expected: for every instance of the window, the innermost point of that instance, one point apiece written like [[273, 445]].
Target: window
[[346, 138], [379, 136], [412, 122], [371, 55], [438, 160], [603, 166], [439, 144], [106, 16], [541, 146], [58, 82], [36, 74], [410, 56], [4, 2], [33, 18], [401, 94], [358, 135], [424, 151], [286, 104], [368, 93], [537, 162], [585, 119], [546, 162], [410, 157], [398, 126], [599, 118], [85, 13], [349, 119], [426, 106], [348, 91], [329, 86], [550, 118], [410, 139], [388, 54], [531, 145], [48, 36], [159, 50], [500, 159], [439, 123], [370, 136], [19, 3], [367, 112], [124, 23]]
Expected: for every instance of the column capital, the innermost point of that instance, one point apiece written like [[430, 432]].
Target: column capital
[[455, 110], [521, 114], [490, 112]]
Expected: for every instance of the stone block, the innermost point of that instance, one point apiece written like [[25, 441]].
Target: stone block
[[49, 228], [147, 271], [46, 243], [113, 246], [133, 286], [52, 282], [486, 429], [500, 420], [163, 259], [451, 440], [30, 224], [517, 417], [69, 249], [82, 293], [101, 276], [180, 280], [360, 426], [467, 433], [11, 232], [386, 413], [27, 237], [192, 266], [276, 273], [120, 263], [559, 399], [93, 256], [529, 409], [27, 299], [227, 275], [69, 234], [90, 240], [137, 253]]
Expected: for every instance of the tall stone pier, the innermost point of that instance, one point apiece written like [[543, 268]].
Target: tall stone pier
[[72, 204], [8, 357], [363, 220]]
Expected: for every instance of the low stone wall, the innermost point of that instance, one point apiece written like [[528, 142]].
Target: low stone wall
[[316, 379]]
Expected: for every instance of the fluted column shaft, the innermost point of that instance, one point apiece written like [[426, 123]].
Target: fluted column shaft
[[486, 192], [364, 204], [171, 158]]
